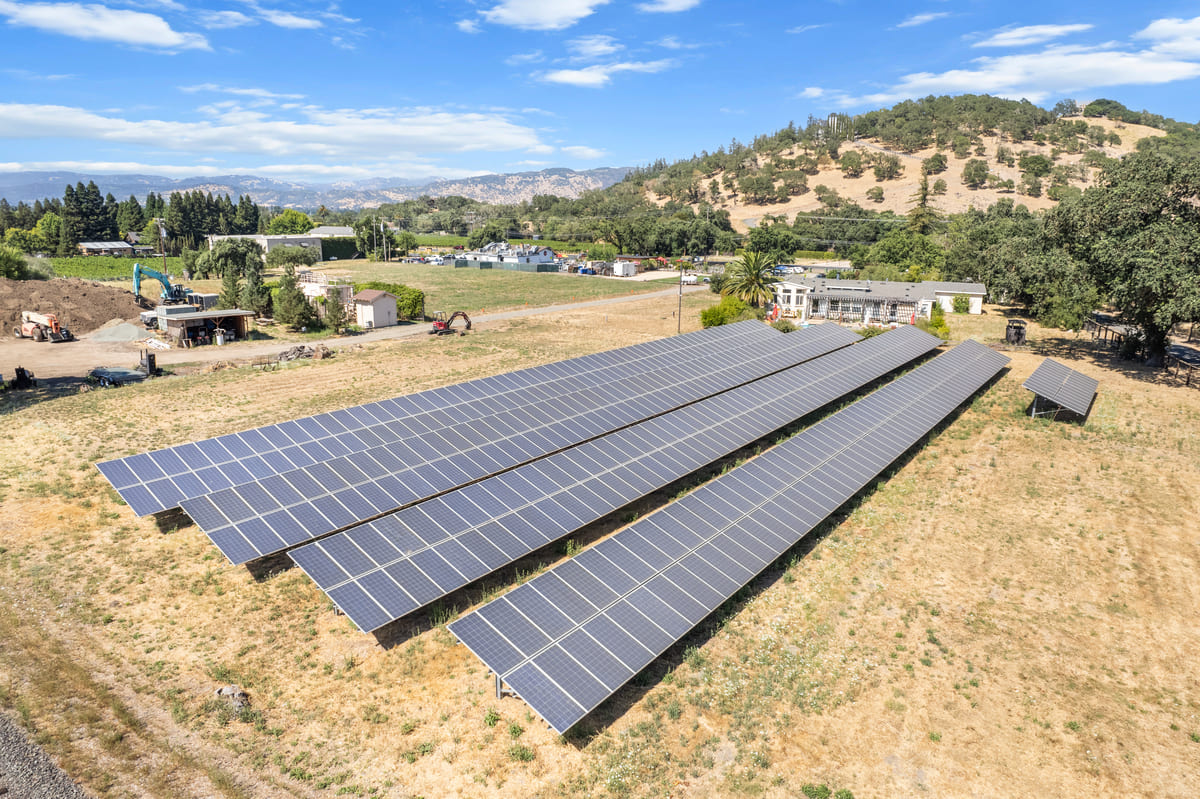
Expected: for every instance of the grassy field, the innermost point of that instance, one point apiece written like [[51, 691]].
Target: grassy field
[[1011, 612], [479, 290]]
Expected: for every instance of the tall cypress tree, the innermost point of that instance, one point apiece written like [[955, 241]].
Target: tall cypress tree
[[71, 232]]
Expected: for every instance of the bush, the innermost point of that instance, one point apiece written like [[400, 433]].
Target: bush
[[715, 283], [936, 324], [962, 303], [521, 753], [339, 248], [727, 311], [783, 325], [410, 302]]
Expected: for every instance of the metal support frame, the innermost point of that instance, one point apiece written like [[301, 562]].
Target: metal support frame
[[1034, 412], [501, 691]]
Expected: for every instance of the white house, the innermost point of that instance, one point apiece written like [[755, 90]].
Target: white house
[[373, 308], [870, 301]]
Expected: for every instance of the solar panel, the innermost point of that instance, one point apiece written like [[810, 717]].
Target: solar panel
[[339, 492], [586, 492], [159, 480], [1063, 386], [704, 557]]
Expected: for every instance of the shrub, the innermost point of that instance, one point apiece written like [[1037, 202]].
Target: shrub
[[962, 303], [727, 311], [715, 283], [491, 718], [520, 753], [816, 791], [339, 248], [783, 325]]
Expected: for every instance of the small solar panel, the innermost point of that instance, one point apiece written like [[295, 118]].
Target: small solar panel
[[587, 495], [159, 480], [1063, 386], [712, 556], [432, 465]]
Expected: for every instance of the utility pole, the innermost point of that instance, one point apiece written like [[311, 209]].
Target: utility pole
[[679, 313]]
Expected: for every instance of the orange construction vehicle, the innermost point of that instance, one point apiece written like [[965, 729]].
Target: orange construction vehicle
[[41, 327]]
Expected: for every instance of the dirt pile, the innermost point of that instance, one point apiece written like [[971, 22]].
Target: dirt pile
[[81, 305]]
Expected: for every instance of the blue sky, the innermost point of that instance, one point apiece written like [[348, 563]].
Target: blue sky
[[321, 91]]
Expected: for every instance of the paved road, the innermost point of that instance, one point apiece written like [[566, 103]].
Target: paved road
[[75, 359]]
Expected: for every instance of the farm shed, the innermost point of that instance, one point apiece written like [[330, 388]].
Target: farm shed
[[200, 327], [374, 308]]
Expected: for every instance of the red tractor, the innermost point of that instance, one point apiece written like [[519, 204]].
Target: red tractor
[[442, 324]]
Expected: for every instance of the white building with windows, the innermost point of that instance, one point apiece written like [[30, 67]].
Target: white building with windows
[[870, 301]]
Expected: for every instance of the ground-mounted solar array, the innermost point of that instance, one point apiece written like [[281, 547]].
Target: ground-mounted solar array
[[569, 638], [281, 511], [159, 480], [380, 571], [1063, 386]]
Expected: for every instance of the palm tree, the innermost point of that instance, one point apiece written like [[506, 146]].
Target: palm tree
[[749, 278]]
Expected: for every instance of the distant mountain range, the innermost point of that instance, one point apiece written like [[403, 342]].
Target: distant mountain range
[[343, 195]]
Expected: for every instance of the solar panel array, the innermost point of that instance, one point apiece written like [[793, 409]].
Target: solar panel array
[[155, 481], [265, 516], [380, 571], [569, 638], [1063, 386]]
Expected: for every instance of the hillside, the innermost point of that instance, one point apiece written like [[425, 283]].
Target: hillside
[[345, 195], [898, 192]]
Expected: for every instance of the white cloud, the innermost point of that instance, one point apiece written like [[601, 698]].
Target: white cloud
[[243, 92], [673, 43], [1178, 37], [348, 171], [599, 75], [668, 6], [591, 48], [101, 23], [1030, 34], [581, 151], [541, 149], [921, 19], [314, 132], [25, 74], [468, 26], [1036, 76], [216, 20], [541, 15], [806, 28], [813, 92], [524, 58], [285, 19]]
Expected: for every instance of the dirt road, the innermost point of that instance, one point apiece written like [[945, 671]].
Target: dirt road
[[75, 359]]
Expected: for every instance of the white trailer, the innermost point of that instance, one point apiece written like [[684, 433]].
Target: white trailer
[[624, 269]]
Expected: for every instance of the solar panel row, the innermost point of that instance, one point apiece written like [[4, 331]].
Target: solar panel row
[[1063, 386], [262, 517], [155, 481], [387, 568], [568, 639]]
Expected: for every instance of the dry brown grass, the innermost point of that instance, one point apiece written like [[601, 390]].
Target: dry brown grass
[[1023, 591]]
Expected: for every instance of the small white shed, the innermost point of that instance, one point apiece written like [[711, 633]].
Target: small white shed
[[374, 308], [624, 268]]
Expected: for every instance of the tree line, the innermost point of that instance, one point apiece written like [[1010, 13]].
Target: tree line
[[57, 226]]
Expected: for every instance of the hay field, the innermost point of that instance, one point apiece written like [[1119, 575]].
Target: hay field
[[1012, 612]]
